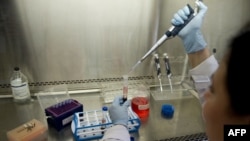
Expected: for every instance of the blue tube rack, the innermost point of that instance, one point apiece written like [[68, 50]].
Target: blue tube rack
[[88, 125]]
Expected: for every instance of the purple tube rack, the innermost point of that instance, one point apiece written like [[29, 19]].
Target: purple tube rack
[[61, 114]]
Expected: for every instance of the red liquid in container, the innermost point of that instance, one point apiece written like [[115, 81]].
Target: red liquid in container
[[140, 105]]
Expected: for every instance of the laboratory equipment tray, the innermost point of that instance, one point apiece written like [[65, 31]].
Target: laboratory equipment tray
[[88, 125]]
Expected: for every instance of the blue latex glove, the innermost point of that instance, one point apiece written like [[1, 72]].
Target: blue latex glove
[[191, 34], [119, 112]]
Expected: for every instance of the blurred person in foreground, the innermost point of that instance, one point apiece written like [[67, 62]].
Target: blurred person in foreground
[[225, 100]]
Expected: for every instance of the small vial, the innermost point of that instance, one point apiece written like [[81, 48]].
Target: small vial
[[104, 116], [125, 87]]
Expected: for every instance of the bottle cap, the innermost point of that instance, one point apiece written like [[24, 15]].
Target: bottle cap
[[104, 108], [167, 110], [16, 69]]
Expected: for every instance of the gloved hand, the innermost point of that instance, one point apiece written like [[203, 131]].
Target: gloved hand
[[119, 113], [191, 35]]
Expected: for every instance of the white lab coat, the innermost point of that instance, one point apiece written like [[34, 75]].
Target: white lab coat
[[206, 69], [117, 133]]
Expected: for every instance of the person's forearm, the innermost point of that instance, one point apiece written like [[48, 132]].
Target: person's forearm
[[117, 133], [198, 57]]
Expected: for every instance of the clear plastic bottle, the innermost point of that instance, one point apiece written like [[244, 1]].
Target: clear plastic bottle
[[19, 86]]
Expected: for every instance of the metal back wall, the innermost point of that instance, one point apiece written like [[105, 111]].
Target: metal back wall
[[78, 39], [60, 40], [222, 20]]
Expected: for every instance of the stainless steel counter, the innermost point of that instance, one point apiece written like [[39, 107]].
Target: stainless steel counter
[[187, 117]]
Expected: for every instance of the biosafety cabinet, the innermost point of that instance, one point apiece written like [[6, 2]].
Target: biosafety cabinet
[[90, 44]]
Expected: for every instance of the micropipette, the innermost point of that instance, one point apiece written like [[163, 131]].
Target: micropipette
[[157, 65], [172, 32], [158, 68], [125, 87], [168, 70], [167, 65]]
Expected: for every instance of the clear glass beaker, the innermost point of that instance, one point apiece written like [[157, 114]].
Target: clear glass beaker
[[140, 102]]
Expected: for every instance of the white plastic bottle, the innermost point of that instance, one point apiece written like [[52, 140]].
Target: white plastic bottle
[[19, 86]]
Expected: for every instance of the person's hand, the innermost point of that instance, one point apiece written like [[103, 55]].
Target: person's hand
[[119, 112], [191, 35]]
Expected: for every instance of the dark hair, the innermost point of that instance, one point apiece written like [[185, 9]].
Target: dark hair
[[238, 72]]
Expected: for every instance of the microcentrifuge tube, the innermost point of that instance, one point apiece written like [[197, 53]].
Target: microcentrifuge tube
[[104, 116], [125, 87]]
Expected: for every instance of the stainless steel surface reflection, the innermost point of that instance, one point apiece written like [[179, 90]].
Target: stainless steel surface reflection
[[187, 117]]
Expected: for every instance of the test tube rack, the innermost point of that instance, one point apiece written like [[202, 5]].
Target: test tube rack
[[61, 114], [88, 125]]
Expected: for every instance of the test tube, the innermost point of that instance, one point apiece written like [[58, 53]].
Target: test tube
[[125, 87], [104, 116]]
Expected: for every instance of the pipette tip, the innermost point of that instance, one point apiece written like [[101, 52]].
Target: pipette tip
[[133, 68], [160, 84], [170, 83]]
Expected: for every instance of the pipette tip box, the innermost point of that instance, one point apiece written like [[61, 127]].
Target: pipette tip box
[[58, 107], [33, 130], [88, 125], [61, 114]]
